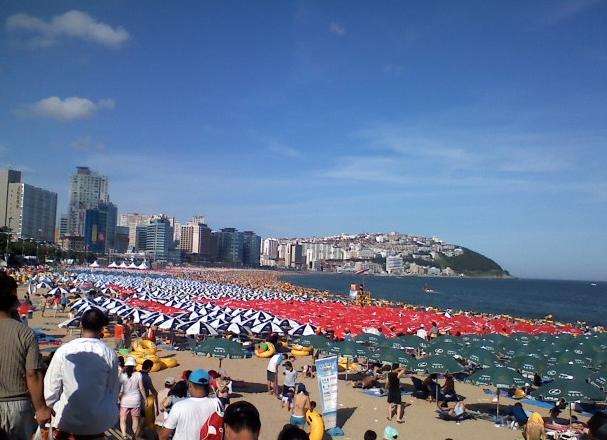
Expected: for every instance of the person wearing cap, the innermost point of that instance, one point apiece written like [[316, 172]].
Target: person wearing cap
[[390, 433], [189, 415], [81, 383], [169, 382]]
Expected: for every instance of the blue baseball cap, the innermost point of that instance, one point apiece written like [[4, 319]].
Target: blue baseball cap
[[200, 377], [390, 433]]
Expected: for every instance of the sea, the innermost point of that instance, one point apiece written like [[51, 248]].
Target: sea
[[567, 301]]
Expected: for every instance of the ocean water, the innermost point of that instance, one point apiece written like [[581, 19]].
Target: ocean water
[[567, 301]]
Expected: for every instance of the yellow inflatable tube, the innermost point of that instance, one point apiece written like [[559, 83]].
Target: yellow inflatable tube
[[267, 353], [317, 425]]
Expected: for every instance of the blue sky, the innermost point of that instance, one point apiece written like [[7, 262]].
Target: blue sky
[[481, 122]]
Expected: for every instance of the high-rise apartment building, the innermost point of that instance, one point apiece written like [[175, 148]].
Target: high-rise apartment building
[[87, 190], [158, 238], [6, 178], [100, 228], [122, 239], [251, 244], [294, 255], [132, 220], [31, 212], [63, 226], [270, 248], [230, 246], [196, 238]]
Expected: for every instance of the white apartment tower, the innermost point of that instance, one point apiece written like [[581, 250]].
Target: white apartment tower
[[87, 190]]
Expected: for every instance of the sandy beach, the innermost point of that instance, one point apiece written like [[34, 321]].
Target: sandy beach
[[357, 411]]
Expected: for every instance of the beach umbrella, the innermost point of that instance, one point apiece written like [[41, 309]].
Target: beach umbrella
[[393, 356], [569, 390], [480, 357], [221, 349], [499, 377], [235, 328], [436, 364], [317, 342], [265, 328], [412, 342], [599, 379], [303, 330], [527, 364], [576, 356], [348, 349], [445, 346], [370, 339], [566, 372], [201, 328], [170, 324]]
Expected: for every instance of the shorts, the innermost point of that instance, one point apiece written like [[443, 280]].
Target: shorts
[[298, 420], [134, 412], [17, 419], [270, 375]]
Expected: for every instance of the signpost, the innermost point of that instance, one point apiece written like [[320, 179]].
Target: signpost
[[326, 373]]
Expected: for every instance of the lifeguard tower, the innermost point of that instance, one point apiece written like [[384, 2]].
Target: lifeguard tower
[[360, 296]]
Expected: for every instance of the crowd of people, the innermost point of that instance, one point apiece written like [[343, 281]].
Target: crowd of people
[[86, 389]]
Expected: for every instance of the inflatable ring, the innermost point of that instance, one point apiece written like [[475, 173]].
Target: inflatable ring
[[157, 367], [147, 344], [150, 412], [301, 348], [169, 362], [266, 353], [299, 353], [317, 425]]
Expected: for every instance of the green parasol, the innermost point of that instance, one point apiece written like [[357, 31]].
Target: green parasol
[[370, 339], [569, 390], [393, 356], [317, 342], [221, 349], [566, 372], [436, 364]]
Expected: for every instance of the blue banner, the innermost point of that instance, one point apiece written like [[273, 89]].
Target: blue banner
[[326, 373]]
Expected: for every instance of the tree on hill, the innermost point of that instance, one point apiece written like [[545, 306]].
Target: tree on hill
[[471, 263]]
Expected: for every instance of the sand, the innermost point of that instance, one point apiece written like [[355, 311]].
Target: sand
[[357, 411]]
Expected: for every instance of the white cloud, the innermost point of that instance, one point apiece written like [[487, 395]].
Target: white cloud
[[72, 24], [67, 109], [337, 29]]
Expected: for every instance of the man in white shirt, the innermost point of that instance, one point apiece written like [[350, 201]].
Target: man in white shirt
[[188, 416], [422, 333], [275, 361], [81, 383]]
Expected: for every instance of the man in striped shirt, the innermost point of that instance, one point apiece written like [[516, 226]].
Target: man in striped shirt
[[21, 382]]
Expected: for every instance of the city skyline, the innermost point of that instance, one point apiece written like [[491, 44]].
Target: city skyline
[[485, 129]]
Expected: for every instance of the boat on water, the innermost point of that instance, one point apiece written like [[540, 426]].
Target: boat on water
[[593, 284], [428, 289]]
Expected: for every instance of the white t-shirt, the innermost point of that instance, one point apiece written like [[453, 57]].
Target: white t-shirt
[[274, 362], [187, 416], [422, 333], [83, 377], [131, 396]]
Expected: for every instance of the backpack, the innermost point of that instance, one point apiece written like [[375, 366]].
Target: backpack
[[212, 429]]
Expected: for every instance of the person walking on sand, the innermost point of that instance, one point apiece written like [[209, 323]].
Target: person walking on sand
[[21, 383], [271, 371], [395, 403], [81, 383], [132, 393]]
